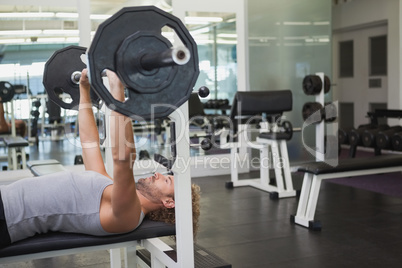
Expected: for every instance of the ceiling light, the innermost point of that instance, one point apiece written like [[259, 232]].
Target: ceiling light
[[318, 23], [99, 17], [51, 40], [66, 15], [11, 41], [201, 20], [21, 32], [296, 23], [227, 35], [60, 32], [72, 39], [27, 15], [200, 31]]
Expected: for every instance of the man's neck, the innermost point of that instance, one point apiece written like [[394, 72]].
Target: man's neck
[[146, 205]]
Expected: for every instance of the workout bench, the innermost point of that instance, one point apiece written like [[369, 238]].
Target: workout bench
[[15, 146], [141, 247], [271, 141], [315, 172]]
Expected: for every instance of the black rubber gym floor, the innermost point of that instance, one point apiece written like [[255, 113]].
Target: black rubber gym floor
[[245, 228]]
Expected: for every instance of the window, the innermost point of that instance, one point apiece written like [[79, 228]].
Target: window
[[378, 55], [346, 59]]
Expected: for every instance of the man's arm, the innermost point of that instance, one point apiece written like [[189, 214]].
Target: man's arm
[[89, 134], [124, 195]]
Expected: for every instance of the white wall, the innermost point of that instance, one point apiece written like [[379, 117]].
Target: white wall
[[357, 14]]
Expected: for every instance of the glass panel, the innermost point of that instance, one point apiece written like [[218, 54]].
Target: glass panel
[[216, 41], [288, 40]]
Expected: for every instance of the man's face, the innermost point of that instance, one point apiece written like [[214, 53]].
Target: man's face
[[158, 188]]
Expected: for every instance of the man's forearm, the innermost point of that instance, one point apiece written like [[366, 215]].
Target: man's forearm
[[123, 147], [89, 135]]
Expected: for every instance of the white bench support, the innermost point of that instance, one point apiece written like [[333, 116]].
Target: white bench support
[[311, 188], [273, 153]]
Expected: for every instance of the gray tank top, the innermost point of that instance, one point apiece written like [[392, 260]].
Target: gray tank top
[[64, 201]]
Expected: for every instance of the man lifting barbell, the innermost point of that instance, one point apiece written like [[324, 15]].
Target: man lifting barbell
[[92, 202]]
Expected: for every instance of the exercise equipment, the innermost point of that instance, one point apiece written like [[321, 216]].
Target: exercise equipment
[[78, 160], [16, 152], [355, 137], [312, 84], [315, 172], [216, 104], [396, 141], [159, 78], [368, 136], [318, 112], [62, 74], [343, 136], [328, 113], [271, 140], [44, 167], [205, 144], [203, 92], [6, 91], [383, 138], [309, 108]]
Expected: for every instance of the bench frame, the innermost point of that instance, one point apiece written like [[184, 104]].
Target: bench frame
[[273, 154], [311, 188]]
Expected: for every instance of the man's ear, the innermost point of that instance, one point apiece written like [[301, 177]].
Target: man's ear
[[169, 203]]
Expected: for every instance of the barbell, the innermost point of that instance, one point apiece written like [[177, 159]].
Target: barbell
[[157, 76]]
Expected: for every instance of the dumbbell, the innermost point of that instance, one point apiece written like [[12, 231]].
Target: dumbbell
[[343, 137], [205, 144], [368, 136], [383, 139], [355, 138], [396, 141], [355, 135]]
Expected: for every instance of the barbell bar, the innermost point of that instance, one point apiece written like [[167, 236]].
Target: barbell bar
[[169, 57]]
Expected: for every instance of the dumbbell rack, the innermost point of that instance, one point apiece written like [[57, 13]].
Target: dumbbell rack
[[320, 127], [318, 120]]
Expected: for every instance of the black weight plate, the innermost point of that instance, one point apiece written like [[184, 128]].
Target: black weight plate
[[6, 91], [312, 85], [309, 108], [139, 79], [102, 55], [57, 76]]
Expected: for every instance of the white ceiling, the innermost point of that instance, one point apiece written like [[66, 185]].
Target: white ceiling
[[102, 7]]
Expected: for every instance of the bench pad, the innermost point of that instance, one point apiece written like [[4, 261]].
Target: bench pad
[[44, 167], [15, 142], [60, 241], [353, 164]]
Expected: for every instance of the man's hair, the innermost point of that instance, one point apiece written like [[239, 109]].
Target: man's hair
[[168, 214]]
